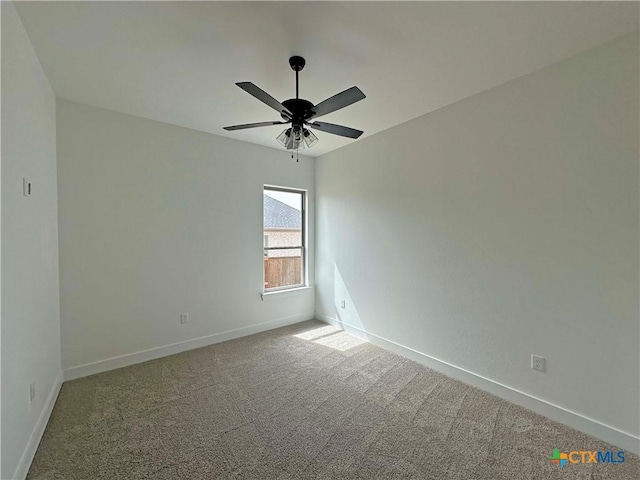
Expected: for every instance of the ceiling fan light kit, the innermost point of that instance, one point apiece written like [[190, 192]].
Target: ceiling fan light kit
[[300, 112], [296, 138]]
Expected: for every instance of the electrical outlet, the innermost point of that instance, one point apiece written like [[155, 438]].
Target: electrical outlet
[[537, 363], [342, 304], [32, 392], [184, 318]]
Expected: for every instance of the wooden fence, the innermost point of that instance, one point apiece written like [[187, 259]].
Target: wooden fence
[[281, 271]]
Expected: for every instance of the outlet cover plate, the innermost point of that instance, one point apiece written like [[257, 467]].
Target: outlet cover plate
[[538, 363]]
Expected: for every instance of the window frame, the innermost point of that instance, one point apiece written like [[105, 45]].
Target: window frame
[[303, 238]]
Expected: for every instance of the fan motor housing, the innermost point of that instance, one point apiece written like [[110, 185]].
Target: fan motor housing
[[300, 108]]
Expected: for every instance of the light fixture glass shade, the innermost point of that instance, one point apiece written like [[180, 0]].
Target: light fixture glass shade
[[297, 138], [309, 138], [284, 137]]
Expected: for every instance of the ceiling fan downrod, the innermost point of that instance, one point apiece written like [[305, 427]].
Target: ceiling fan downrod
[[297, 64]]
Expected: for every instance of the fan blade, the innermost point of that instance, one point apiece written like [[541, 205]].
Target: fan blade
[[338, 101], [264, 97], [336, 129], [253, 125]]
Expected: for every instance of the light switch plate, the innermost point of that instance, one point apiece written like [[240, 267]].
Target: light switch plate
[[26, 187]]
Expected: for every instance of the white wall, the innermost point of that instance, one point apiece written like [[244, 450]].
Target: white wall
[[500, 226], [30, 307], [156, 220]]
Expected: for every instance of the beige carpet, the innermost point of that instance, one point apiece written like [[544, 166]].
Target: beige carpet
[[320, 405]]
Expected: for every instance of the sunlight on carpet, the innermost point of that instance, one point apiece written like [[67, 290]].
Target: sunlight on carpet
[[318, 332], [340, 341], [332, 337]]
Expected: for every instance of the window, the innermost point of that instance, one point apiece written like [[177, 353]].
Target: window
[[284, 238]]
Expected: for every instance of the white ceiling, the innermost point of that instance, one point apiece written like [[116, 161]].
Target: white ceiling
[[177, 62]]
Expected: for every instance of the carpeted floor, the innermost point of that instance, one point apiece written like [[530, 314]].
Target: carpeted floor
[[300, 402]]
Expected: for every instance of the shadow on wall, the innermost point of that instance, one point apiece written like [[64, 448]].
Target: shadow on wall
[[345, 310], [336, 336]]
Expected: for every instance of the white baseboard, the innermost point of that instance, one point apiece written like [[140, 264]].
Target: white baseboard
[[609, 434], [38, 430], [145, 355]]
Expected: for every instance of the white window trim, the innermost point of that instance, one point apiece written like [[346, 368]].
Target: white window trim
[[305, 263], [286, 292]]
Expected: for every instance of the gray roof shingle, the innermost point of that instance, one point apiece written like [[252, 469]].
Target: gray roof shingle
[[280, 215]]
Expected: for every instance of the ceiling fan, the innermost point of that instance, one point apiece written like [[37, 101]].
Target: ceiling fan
[[300, 113]]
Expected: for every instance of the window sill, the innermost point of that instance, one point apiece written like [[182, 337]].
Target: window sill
[[286, 293]]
